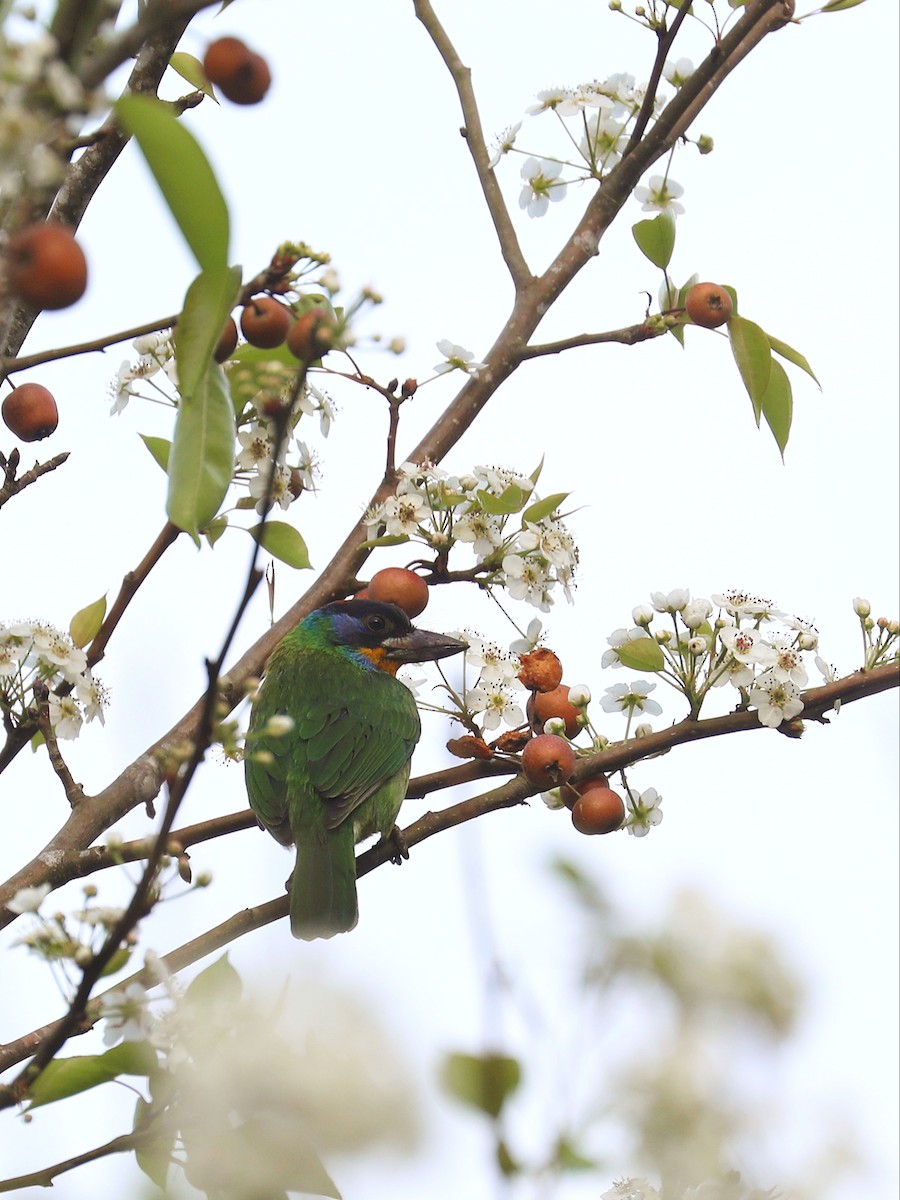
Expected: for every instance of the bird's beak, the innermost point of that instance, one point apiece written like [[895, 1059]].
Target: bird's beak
[[419, 645]]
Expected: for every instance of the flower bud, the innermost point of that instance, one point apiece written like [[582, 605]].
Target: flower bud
[[861, 607], [555, 725], [808, 641], [697, 646], [580, 695], [705, 143], [643, 730], [642, 614]]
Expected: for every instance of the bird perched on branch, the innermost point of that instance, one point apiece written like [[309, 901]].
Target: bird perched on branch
[[335, 771]]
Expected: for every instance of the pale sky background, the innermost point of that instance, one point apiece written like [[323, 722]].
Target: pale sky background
[[357, 151]]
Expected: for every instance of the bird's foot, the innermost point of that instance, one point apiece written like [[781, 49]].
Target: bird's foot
[[397, 843]]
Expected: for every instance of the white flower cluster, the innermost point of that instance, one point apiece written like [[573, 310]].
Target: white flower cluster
[[156, 352], [39, 98], [751, 645], [603, 110], [440, 510], [33, 652], [493, 692], [297, 467]]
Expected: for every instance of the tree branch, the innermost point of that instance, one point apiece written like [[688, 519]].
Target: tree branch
[[12, 486], [462, 77]]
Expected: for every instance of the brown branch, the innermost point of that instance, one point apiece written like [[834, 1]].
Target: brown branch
[[630, 335], [45, 1176], [817, 702], [472, 132], [12, 486], [9, 366], [127, 590]]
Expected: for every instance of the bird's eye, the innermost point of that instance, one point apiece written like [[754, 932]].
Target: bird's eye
[[376, 624]]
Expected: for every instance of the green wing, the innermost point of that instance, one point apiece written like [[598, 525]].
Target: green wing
[[354, 729]]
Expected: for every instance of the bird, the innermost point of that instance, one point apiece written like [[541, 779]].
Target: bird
[[328, 748]]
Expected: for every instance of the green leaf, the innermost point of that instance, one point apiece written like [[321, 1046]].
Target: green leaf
[[482, 1081], [388, 539], [753, 356], [656, 238], [511, 500], [840, 5], [209, 300], [567, 1158], [778, 405], [85, 625], [536, 473], [160, 448], [283, 541], [120, 959], [154, 1151], [641, 654], [219, 983], [68, 1076], [202, 459], [184, 175], [792, 355], [215, 529], [191, 69], [543, 508]]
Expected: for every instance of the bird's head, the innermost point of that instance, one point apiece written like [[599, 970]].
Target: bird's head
[[379, 635]]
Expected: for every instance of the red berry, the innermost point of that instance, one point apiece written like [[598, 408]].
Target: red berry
[[30, 412], [544, 705], [541, 670], [265, 322], [708, 305], [400, 586], [598, 810], [227, 341], [548, 760], [45, 266], [240, 75]]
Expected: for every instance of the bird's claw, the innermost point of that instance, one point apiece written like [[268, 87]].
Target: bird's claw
[[397, 843]]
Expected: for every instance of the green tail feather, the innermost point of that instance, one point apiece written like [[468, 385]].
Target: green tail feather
[[323, 884]]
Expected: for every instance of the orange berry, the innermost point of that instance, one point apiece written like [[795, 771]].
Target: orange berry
[[400, 586], [30, 412], [240, 75], [598, 810], [311, 336], [541, 670], [45, 266], [548, 760], [227, 342], [544, 705], [265, 322], [708, 305]]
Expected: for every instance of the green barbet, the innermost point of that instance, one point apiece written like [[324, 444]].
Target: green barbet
[[336, 771]]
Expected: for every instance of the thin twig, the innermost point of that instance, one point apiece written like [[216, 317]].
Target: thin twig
[[12, 486]]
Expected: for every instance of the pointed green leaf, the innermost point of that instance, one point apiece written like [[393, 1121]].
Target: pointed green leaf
[[154, 1151], [483, 1081], [543, 508], [840, 5], [793, 356], [68, 1076], [685, 288], [202, 459], [283, 541], [191, 69], [160, 448], [512, 500], [215, 529], [778, 405], [656, 238], [85, 625], [677, 332], [219, 983], [389, 539], [753, 356], [536, 473], [208, 302], [184, 176], [641, 654], [120, 959]]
